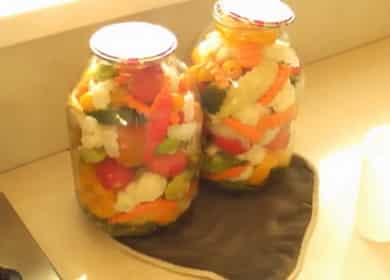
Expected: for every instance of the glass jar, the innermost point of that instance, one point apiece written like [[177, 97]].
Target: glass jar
[[135, 131], [247, 74]]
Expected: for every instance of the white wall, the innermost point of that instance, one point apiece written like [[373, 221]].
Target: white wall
[[37, 76], [327, 27]]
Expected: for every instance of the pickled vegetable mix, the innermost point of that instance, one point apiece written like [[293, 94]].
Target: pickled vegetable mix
[[247, 74], [135, 132]]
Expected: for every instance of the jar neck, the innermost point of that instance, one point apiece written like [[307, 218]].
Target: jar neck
[[134, 63], [240, 31]]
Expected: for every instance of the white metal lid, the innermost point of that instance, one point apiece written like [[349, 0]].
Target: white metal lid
[[134, 42], [265, 13]]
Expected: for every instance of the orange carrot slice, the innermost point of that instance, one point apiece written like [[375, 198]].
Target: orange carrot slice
[[249, 55], [138, 106], [178, 101], [251, 133], [227, 174], [281, 79], [277, 119], [161, 211], [255, 133], [86, 102], [281, 140], [175, 118]]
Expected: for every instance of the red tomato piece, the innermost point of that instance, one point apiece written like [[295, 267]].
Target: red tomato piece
[[230, 146], [168, 165], [113, 175], [159, 121], [281, 140], [160, 117], [146, 83]]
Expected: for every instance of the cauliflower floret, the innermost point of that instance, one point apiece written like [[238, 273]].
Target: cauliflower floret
[[255, 155], [183, 132], [173, 75], [223, 54], [188, 107], [95, 135], [101, 94], [210, 45], [282, 52], [245, 175], [251, 114], [148, 187], [285, 98], [110, 140], [126, 200], [91, 133]]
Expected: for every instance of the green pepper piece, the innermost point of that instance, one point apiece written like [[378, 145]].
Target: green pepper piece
[[130, 115], [168, 146], [121, 116], [219, 162], [212, 98], [179, 186], [105, 72], [92, 155]]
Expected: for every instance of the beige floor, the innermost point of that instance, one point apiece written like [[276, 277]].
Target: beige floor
[[345, 96]]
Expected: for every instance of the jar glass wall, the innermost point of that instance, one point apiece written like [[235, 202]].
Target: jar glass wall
[[247, 74], [134, 131]]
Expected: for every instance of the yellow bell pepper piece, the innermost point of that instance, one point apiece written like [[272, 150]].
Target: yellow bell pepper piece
[[232, 69], [261, 36], [86, 102], [284, 157], [92, 195], [204, 75], [262, 171], [178, 101]]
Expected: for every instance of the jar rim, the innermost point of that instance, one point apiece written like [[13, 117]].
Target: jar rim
[[263, 14], [133, 42]]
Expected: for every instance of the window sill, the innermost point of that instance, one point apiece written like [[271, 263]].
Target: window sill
[[23, 24]]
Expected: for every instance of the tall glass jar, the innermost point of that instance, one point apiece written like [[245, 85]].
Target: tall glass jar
[[135, 131], [247, 74]]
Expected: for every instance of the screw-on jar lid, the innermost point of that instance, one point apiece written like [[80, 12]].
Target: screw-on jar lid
[[262, 13], [134, 42]]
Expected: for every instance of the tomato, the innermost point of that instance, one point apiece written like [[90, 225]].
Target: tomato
[[131, 141], [229, 145], [146, 83], [168, 165], [113, 175], [281, 139]]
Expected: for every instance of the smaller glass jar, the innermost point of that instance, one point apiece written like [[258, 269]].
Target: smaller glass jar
[[135, 131], [247, 74]]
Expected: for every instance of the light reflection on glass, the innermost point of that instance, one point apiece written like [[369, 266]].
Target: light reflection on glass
[[82, 277], [14, 7]]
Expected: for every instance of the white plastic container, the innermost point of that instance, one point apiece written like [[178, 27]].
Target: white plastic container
[[373, 216]]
